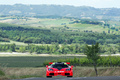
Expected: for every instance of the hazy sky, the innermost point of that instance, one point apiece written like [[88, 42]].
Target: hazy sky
[[92, 3]]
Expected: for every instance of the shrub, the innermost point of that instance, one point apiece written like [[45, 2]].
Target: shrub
[[2, 73]]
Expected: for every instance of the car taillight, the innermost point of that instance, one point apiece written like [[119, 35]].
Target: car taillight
[[68, 69], [50, 69]]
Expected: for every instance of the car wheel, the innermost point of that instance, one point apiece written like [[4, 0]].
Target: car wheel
[[69, 76], [49, 76]]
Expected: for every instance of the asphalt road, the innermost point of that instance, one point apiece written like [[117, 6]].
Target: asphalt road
[[76, 78]]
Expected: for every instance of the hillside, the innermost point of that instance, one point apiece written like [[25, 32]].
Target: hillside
[[74, 32], [61, 10], [60, 35]]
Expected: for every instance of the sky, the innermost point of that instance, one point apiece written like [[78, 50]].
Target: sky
[[92, 3]]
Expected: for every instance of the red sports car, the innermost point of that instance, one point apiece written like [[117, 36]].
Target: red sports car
[[59, 68]]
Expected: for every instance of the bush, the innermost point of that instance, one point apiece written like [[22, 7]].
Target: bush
[[2, 73]]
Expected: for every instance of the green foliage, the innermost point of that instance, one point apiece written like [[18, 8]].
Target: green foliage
[[90, 22], [12, 47], [110, 61], [109, 49], [8, 47], [2, 73], [47, 49], [22, 49], [57, 49], [92, 52]]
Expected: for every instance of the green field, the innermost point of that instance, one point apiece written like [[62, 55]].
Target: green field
[[89, 27], [37, 22], [28, 61]]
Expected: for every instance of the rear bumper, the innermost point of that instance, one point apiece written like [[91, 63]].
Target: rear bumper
[[62, 73]]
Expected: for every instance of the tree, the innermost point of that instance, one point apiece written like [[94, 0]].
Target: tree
[[22, 49], [93, 54], [12, 47], [118, 47]]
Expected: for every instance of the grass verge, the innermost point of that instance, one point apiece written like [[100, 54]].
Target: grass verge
[[19, 73]]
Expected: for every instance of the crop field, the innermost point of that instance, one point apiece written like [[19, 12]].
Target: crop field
[[28, 61]]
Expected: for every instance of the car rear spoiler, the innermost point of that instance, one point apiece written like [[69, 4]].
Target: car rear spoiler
[[67, 62], [50, 62]]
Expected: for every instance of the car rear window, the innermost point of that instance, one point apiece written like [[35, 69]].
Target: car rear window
[[59, 66]]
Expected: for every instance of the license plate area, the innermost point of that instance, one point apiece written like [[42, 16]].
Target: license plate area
[[60, 71]]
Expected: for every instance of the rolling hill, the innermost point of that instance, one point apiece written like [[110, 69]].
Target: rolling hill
[[61, 10]]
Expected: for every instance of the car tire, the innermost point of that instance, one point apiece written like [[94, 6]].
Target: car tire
[[49, 76], [69, 76]]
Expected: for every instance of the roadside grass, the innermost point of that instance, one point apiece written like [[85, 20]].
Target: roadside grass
[[19, 73], [102, 71]]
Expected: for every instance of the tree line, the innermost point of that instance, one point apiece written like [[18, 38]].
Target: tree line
[[86, 22], [56, 48], [48, 49]]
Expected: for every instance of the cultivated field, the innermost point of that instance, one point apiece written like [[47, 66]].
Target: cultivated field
[[29, 61]]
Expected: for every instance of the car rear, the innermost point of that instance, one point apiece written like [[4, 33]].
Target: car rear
[[59, 69]]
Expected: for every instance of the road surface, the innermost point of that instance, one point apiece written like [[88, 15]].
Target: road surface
[[76, 78]]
